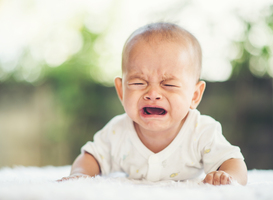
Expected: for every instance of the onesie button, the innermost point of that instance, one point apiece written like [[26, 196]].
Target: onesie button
[[153, 159]]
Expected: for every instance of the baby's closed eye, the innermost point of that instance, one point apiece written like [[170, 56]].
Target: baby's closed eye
[[136, 83], [170, 84]]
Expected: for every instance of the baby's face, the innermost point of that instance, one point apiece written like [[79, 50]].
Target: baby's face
[[159, 84]]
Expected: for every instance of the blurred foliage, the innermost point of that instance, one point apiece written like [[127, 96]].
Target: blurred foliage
[[85, 105], [88, 104], [254, 60]]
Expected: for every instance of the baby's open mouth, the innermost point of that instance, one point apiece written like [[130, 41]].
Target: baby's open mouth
[[154, 111]]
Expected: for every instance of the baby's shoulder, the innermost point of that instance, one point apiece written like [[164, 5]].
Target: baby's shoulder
[[202, 121], [204, 126], [119, 121], [116, 125]]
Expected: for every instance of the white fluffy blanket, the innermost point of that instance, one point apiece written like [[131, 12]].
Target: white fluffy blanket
[[39, 183]]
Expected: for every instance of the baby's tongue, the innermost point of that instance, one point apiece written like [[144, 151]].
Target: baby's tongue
[[155, 111]]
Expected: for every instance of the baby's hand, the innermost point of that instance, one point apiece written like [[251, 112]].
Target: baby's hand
[[218, 178], [74, 176]]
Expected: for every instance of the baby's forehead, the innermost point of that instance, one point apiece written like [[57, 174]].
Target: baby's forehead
[[163, 33], [140, 42], [138, 46], [155, 38], [151, 68]]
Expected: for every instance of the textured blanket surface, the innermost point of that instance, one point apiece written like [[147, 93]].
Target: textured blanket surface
[[40, 183]]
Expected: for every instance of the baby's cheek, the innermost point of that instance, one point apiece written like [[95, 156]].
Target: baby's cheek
[[127, 101], [179, 109], [130, 108]]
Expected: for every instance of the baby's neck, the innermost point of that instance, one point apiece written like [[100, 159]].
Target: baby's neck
[[157, 141]]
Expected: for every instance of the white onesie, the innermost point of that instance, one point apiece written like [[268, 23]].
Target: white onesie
[[199, 147]]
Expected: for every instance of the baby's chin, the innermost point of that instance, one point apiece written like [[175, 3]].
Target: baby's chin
[[153, 125], [160, 125]]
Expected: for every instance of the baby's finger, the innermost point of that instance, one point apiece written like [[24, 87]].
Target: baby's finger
[[209, 178], [67, 178], [224, 179], [62, 179], [217, 178]]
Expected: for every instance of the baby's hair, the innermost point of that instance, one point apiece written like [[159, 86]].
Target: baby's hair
[[167, 32]]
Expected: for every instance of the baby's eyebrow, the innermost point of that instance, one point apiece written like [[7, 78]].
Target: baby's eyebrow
[[133, 76], [141, 76], [169, 77]]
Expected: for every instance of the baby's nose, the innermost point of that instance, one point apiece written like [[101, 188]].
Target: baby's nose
[[153, 94]]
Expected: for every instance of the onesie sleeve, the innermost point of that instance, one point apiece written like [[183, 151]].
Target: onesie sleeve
[[100, 149], [214, 148]]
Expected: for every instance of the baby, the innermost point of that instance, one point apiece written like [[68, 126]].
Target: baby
[[161, 136]]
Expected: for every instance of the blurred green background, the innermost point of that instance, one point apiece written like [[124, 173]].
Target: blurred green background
[[58, 60]]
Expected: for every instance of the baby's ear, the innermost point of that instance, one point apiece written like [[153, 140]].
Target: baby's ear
[[118, 86], [198, 94]]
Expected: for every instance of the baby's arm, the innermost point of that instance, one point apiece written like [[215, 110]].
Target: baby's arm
[[232, 169], [85, 165]]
